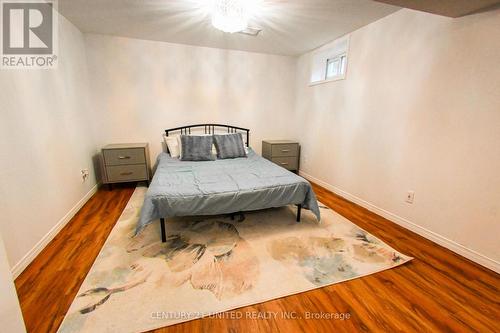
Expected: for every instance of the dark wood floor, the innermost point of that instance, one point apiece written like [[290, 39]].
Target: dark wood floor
[[439, 291]]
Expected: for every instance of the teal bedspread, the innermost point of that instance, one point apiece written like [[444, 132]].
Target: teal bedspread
[[184, 188]]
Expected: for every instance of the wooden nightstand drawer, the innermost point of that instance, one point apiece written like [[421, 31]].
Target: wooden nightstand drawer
[[291, 149], [125, 173], [289, 163], [124, 156]]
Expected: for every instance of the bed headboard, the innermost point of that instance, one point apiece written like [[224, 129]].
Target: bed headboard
[[210, 129]]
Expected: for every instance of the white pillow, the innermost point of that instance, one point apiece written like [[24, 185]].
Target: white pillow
[[179, 144], [173, 144]]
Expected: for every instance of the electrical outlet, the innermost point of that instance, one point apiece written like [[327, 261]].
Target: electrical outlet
[[410, 196], [84, 174]]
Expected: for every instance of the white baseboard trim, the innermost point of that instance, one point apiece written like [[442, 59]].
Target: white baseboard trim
[[437, 238], [20, 266]]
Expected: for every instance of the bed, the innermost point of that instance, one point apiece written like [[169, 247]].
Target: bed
[[222, 186]]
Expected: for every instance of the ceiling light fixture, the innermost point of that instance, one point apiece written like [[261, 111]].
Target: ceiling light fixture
[[230, 15], [250, 31]]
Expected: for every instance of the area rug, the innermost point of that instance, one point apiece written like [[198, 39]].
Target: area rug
[[213, 264]]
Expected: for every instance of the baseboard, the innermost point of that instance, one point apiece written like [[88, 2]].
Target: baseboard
[[20, 266], [436, 238]]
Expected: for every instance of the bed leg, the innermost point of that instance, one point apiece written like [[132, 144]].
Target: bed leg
[[299, 208], [163, 234]]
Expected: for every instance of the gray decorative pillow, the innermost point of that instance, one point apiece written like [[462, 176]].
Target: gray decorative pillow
[[197, 148], [229, 145]]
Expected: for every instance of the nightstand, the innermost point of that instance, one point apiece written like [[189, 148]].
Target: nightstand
[[285, 153], [125, 162]]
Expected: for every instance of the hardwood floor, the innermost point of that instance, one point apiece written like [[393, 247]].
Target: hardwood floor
[[48, 286], [439, 291]]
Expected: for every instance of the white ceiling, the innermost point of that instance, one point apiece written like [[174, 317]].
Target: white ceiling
[[289, 27]]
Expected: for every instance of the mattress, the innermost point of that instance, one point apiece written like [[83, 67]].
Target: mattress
[[184, 188]]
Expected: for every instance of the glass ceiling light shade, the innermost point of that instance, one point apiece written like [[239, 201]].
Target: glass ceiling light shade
[[230, 15]]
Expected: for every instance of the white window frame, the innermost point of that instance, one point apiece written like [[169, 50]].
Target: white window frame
[[342, 58], [321, 57]]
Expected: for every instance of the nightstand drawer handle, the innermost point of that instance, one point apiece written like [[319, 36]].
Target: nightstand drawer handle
[[284, 163], [126, 173], [285, 150], [123, 157]]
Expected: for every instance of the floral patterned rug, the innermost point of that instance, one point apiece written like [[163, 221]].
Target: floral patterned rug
[[213, 264]]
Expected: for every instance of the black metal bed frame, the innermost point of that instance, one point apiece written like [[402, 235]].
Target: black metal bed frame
[[210, 129]]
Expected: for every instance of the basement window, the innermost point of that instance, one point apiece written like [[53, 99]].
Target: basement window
[[335, 67], [329, 63]]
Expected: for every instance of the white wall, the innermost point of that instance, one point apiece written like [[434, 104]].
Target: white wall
[[419, 110], [46, 140], [140, 88], [10, 311]]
